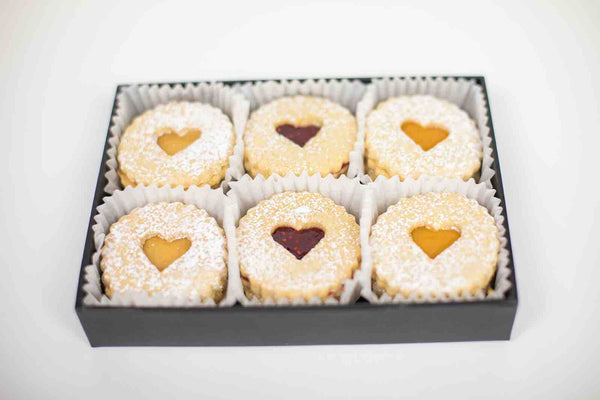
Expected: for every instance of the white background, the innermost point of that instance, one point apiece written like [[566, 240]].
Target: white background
[[59, 65]]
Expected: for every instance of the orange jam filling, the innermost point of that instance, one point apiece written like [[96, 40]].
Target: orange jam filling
[[426, 137], [433, 242]]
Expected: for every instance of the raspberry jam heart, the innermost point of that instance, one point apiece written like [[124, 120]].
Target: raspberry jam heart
[[299, 243], [433, 242], [298, 134], [162, 253], [426, 137], [173, 142]]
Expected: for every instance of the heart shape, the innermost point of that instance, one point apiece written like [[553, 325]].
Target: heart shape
[[299, 243], [298, 134], [433, 242], [426, 137], [173, 142], [162, 253]]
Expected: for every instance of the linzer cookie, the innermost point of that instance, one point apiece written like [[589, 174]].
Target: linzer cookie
[[297, 134], [179, 143], [170, 248], [434, 244], [414, 136], [297, 245]]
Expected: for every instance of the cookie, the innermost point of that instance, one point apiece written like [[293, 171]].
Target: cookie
[[170, 248], [297, 245], [434, 244], [179, 143], [414, 136], [297, 134]]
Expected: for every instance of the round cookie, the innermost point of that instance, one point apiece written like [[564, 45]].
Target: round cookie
[[297, 134], [179, 143], [434, 244], [413, 136], [170, 248], [297, 244]]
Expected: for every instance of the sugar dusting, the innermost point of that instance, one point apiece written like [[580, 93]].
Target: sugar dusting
[[400, 266], [267, 152], [273, 271], [389, 151], [199, 273], [302, 210], [203, 162]]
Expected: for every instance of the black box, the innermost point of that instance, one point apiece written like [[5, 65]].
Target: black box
[[361, 322]]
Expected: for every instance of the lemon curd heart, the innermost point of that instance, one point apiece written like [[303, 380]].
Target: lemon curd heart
[[434, 242], [173, 142], [162, 253], [426, 137]]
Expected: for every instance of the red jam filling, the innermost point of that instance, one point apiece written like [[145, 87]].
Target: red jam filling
[[299, 243], [298, 134]]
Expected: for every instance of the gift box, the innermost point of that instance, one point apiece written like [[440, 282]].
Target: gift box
[[359, 316]]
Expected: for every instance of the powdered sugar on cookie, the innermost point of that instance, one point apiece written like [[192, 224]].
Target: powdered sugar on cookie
[[328, 152], [143, 161], [272, 271], [199, 273], [390, 151], [401, 267]]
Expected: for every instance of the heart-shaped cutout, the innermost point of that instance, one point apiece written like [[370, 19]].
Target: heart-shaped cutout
[[173, 142], [298, 134], [162, 253], [299, 243], [426, 137], [433, 242]]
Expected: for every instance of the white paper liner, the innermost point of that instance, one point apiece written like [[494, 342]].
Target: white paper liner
[[136, 99], [121, 203], [342, 91], [386, 192], [465, 93], [247, 193]]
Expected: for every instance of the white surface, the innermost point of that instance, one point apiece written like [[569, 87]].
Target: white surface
[[59, 66]]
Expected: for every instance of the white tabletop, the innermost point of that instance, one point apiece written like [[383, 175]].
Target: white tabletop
[[59, 65]]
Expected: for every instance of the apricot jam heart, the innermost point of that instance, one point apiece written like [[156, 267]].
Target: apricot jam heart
[[426, 137], [298, 134], [162, 253], [173, 142], [433, 242], [299, 243]]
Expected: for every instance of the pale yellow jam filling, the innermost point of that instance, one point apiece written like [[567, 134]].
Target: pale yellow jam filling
[[162, 253], [125, 179], [173, 142]]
